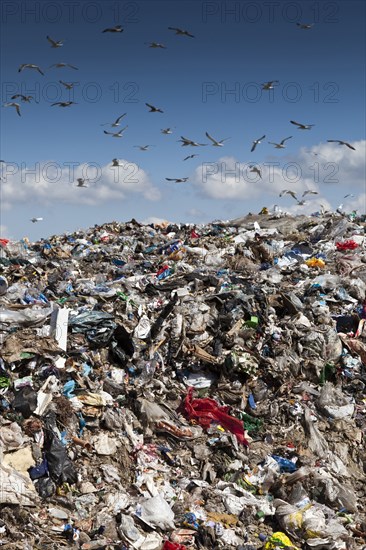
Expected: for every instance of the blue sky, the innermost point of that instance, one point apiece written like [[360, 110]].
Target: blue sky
[[211, 82]]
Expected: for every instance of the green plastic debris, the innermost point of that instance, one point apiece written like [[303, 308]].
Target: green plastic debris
[[4, 382], [326, 373], [252, 322]]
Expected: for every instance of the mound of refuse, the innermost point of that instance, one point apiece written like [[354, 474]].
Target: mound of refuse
[[179, 386]]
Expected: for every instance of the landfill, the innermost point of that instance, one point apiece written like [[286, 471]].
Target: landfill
[[175, 386]]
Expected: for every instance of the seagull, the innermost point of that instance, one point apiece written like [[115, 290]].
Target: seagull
[[255, 143], [281, 144], [348, 195], [153, 109], [25, 98], [215, 142], [269, 85], [256, 170], [116, 122], [61, 65], [30, 66], [186, 141], [302, 126], [116, 134], [55, 43], [341, 143], [177, 180], [304, 26], [13, 104], [81, 182], [309, 192], [156, 45], [143, 147], [288, 192], [166, 131], [64, 103], [117, 28], [181, 32], [34, 220], [190, 157], [68, 85]]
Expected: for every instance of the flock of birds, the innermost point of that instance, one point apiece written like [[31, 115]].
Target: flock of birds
[[185, 142]]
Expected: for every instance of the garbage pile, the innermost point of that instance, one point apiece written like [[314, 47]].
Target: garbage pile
[[172, 387]]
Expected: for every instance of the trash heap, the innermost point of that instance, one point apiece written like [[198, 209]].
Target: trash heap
[[170, 386]]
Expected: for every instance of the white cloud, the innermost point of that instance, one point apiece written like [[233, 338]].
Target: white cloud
[[319, 169], [50, 181]]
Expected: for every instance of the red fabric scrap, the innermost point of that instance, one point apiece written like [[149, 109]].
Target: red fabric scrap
[[347, 245], [194, 235], [206, 410], [4, 242], [173, 546]]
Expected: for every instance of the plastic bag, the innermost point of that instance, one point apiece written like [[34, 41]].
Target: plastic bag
[[334, 403], [60, 466], [30, 316], [206, 410], [156, 512]]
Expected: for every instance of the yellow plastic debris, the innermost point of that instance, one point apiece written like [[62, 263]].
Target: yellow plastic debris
[[315, 262], [279, 540]]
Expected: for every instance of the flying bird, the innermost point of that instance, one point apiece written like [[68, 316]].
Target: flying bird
[[30, 66], [280, 145], [269, 85], [155, 45], [115, 123], [309, 192], [25, 98], [181, 32], [216, 143], [116, 134], [81, 182], [288, 192], [61, 65], [13, 104], [348, 195], [117, 28], [166, 131], [34, 220], [64, 103], [190, 157], [177, 180], [186, 141], [340, 142], [256, 170], [55, 43], [68, 85], [256, 142], [316, 154], [153, 109], [305, 26], [293, 195], [302, 126], [143, 147]]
